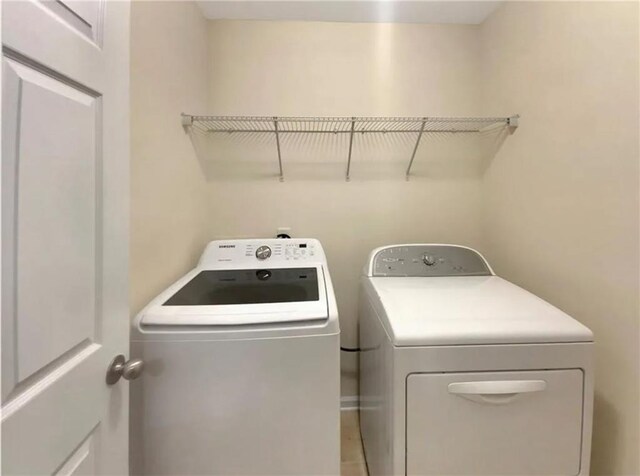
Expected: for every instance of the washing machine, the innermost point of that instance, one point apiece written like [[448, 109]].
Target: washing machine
[[463, 372], [242, 366]]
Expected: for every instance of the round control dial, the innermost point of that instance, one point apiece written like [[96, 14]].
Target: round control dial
[[263, 252], [428, 260], [263, 274]]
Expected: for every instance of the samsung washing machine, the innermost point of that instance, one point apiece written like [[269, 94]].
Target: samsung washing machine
[[462, 372], [242, 366]]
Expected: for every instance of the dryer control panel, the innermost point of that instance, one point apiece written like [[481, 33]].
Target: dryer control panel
[[427, 260]]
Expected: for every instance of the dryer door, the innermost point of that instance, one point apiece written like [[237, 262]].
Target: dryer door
[[495, 423]]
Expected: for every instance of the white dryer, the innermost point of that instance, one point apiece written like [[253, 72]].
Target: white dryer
[[462, 372], [242, 363]]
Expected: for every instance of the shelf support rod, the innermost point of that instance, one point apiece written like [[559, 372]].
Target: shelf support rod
[[415, 147], [275, 125], [353, 126]]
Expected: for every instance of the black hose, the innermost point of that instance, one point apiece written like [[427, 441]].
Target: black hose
[[346, 349]]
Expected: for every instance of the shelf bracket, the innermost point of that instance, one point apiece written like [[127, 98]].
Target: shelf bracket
[[415, 147], [187, 121], [353, 126], [275, 126]]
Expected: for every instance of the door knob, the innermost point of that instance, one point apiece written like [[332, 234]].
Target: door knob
[[130, 369]]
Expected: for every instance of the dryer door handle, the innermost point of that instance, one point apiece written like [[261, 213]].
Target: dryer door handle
[[497, 392]]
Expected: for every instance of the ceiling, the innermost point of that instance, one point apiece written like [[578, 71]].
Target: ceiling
[[400, 11]]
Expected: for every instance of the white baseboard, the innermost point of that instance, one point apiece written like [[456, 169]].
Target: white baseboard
[[351, 402]]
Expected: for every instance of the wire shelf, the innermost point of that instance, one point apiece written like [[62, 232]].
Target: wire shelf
[[278, 125]]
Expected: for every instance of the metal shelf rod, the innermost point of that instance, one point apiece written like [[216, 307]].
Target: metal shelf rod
[[415, 148], [275, 125], [303, 131], [353, 125], [347, 120]]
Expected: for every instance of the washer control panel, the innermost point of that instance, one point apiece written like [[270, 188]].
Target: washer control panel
[[427, 260], [266, 252], [284, 249]]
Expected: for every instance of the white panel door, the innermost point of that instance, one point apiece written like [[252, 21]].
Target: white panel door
[[65, 168]]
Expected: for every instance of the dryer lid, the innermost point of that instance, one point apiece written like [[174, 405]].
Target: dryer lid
[[465, 310]]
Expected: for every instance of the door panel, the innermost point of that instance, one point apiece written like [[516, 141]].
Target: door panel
[[56, 155], [82, 461], [43, 426], [64, 236], [82, 15], [495, 423], [35, 32]]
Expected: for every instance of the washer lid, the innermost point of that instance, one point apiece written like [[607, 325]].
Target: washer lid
[[240, 297], [468, 310], [248, 286]]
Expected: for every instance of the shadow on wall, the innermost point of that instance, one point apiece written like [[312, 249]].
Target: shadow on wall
[[604, 443], [383, 156]]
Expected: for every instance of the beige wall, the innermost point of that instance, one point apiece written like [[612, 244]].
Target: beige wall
[[561, 197], [169, 220], [293, 68]]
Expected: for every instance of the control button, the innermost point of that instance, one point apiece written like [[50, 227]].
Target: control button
[[263, 252], [263, 274], [428, 260]]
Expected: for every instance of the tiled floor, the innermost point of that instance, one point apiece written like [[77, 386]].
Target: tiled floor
[[352, 461]]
